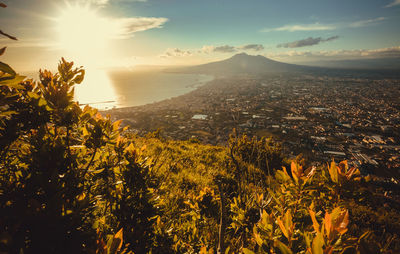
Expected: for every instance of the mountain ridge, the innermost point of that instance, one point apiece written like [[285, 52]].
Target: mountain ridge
[[243, 63]]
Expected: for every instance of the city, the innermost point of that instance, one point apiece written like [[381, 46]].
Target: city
[[320, 117]]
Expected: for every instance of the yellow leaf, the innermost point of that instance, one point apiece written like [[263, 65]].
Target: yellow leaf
[[314, 220], [81, 196], [247, 251], [335, 213], [288, 222], [317, 244], [257, 236], [282, 247], [333, 172], [116, 125], [130, 149], [341, 222], [85, 131]]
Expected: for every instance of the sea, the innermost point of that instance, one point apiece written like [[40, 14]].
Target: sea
[[104, 89]]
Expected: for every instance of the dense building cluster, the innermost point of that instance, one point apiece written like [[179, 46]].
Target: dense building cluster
[[321, 117]]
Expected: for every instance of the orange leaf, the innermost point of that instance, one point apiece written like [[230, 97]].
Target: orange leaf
[[117, 241], [282, 227], [296, 172], [328, 224]]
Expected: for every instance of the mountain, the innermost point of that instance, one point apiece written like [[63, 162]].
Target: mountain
[[259, 65], [244, 64]]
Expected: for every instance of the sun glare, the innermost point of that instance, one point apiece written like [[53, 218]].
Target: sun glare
[[82, 32], [84, 36]]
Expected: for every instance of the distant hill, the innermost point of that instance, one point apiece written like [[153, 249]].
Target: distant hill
[[366, 64], [259, 65]]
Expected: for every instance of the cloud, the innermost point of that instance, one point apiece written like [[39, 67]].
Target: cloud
[[391, 52], [128, 26], [302, 27], [394, 3], [230, 49], [367, 22], [255, 47], [310, 41], [217, 49], [225, 49], [175, 52]]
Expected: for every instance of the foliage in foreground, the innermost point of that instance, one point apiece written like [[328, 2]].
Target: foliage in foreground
[[73, 181]]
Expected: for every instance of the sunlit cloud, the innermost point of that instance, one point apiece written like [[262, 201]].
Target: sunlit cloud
[[302, 27], [92, 26], [324, 27], [90, 21], [391, 52], [394, 3], [367, 22], [310, 41], [128, 26]]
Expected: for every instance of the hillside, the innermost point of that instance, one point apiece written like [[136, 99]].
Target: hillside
[[74, 181]]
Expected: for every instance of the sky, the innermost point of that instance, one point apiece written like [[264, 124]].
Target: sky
[[128, 33]]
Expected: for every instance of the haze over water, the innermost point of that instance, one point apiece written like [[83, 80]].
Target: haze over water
[[134, 88]]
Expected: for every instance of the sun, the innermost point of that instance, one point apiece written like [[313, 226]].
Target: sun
[[82, 32], [85, 36]]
